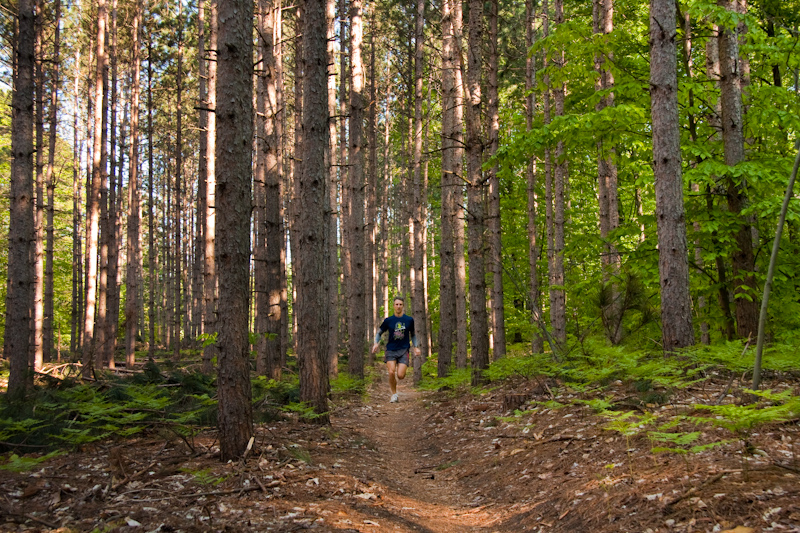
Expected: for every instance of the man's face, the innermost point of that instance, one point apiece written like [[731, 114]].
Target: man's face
[[398, 307]]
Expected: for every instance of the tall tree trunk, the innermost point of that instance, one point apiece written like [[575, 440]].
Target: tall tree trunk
[[420, 199], [311, 266], [339, 318], [356, 302], [450, 177], [475, 191], [17, 339], [178, 217], [48, 339], [112, 265], [607, 183], [151, 227], [723, 293], [134, 253], [548, 166], [688, 65], [93, 207], [269, 302], [210, 278], [234, 128], [37, 352], [558, 304], [673, 262], [77, 186], [493, 215], [730, 82], [333, 179], [458, 193], [370, 273], [534, 247]]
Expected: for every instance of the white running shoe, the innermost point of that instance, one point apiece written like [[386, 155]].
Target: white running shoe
[[394, 399]]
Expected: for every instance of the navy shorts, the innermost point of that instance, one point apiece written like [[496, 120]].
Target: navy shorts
[[399, 356]]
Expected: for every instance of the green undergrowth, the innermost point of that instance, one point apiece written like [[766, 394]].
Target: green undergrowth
[[594, 376]]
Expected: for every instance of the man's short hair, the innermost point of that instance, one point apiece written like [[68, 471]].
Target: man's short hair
[[399, 298]]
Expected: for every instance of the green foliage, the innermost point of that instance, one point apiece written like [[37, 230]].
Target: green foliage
[[25, 463], [303, 410], [527, 366], [742, 419], [627, 423], [72, 415], [681, 443], [206, 476], [458, 379], [345, 383]]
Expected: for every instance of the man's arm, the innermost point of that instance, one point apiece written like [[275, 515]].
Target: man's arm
[[377, 343], [413, 333]]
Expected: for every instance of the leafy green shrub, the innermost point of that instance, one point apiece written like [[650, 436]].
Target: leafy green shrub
[[345, 383]]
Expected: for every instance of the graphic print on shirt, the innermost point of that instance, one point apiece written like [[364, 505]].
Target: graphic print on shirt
[[399, 330]]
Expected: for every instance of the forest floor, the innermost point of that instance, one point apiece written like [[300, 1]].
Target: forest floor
[[515, 458]]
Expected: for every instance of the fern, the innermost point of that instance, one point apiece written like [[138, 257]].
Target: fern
[[16, 463]]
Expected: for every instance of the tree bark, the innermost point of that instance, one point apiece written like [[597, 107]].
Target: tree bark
[[746, 290], [93, 205], [450, 176], [475, 191], [210, 279], [17, 341], [134, 252], [493, 215], [356, 302], [333, 194], [311, 266], [48, 338], [234, 128], [673, 263], [37, 352], [420, 199], [558, 293], [534, 247]]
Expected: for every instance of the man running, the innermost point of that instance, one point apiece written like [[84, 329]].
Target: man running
[[402, 338]]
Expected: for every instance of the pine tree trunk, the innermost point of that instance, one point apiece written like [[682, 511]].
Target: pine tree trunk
[[37, 353], [17, 342], [558, 308], [731, 82], [458, 193], [234, 128], [370, 273], [676, 313], [356, 302], [210, 279], [77, 186], [177, 262], [534, 247], [420, 200], [93, 206], [603, 14], [49, 325], [450, 166], [475, 191], [133, 275], [112, 223], [335, 219], [493, 215], [311, 266], [151, 228]]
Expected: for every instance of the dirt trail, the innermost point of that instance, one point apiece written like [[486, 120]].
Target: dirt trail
[[406, 465], [513, 458]]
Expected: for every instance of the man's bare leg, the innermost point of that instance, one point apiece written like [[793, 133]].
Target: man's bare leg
[[391, 367]]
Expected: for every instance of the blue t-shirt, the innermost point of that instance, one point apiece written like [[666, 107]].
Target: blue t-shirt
[[401, 331]]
